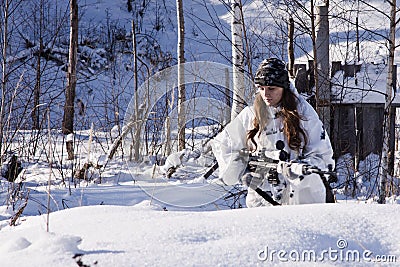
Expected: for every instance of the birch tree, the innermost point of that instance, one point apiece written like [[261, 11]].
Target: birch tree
[[388, 100], [68, 120], [237, 58]]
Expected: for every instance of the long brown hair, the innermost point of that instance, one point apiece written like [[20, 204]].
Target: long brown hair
[[291, 120]]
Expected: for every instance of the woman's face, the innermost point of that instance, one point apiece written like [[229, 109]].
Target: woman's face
[[271, 95]]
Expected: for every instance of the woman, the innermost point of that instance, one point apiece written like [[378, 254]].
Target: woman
[[279, 113]]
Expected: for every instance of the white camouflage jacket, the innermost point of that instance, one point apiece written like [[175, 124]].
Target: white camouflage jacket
[[317, 152]]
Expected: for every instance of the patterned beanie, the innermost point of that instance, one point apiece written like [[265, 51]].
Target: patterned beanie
[[272, 72]]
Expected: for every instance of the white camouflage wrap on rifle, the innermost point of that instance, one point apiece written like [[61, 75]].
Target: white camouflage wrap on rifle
[[318, 152]]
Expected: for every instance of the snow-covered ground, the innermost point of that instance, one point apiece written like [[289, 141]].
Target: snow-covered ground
[[143, 234], [154, 222], [125, 217]]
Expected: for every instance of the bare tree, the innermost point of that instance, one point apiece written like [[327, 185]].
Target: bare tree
[[68, 120], [181, 77], [237, 58], [388, 104], [36, 90], [291, 47], [9, 9], [137, 128], [5, 9]]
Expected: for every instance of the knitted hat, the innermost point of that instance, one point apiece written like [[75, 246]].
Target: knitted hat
[[272, 72]]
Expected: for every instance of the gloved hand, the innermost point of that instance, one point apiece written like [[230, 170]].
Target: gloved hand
[[291, 170], [242, 156]]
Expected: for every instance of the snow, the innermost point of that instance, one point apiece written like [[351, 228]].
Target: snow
[[133, 216], [146, 235], [369, 85], [137, 217], [129, 220]]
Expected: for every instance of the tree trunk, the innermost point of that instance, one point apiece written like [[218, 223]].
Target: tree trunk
[[291, 47], [68, 120], [137, 126], [237, 59], [181, 77], [313, 39], [3, 78], [357, 40], [227, 113], [388, 100], [36, 91], [322, 84]]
